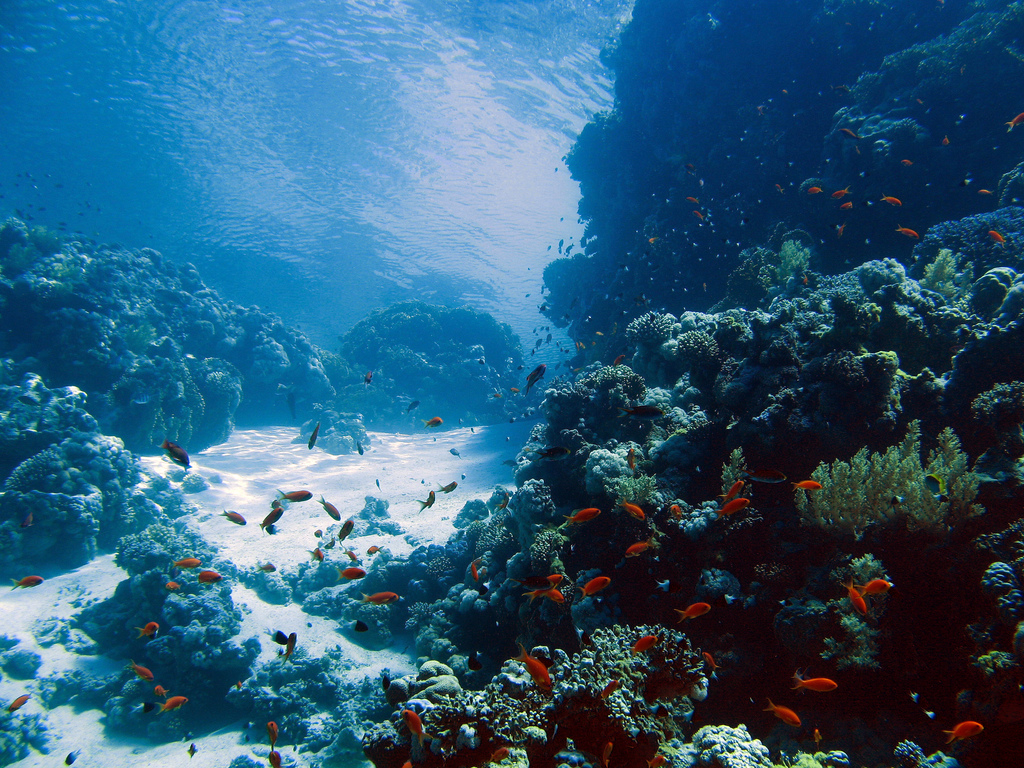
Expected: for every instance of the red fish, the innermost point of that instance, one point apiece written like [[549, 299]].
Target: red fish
[[606, 753], [189, 562], [907, 232], [733, 490], [635, 550], [699, 215], [856, 600], [272, 733], [609, 689], [907, 163], [380, 598], [142, 672], [273, 517], [819, 684], [275, 759], [1015, 122], [964, 730], [18, 703], [785, 714], [535, 375], [808, 485], [149, 630], [553, 594], [536, 668], [645, 643], [582, 515], [498, 755], [874, 587], [849, 133], [175, 453], [160, 691], [316, 554], [595, 585], [618, 360], [846, 206], [692, 611], [175, 702], [267, 567], [234, 517], [437, 421], [209, 577], [840, 193], [732, 507], [351, 573], [814, 190], [330, 509], [373, 550], [996, 237], [289, 646], [676, 511], [891, 200], [633, 510], [28, 581], [172, 586], [294, 495]]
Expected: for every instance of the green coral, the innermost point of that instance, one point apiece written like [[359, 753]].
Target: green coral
[[734, 470], [642, 489], [946, 275], [885, 487], [794, 259], [858, 649]]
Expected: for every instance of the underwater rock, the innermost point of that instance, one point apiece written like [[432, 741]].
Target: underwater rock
[[728, 747]]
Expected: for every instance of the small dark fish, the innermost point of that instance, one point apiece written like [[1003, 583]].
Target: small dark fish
[[367, 378], [148, 706], [192, 749], [280, 638], [483, 589], [535, 375], [765, 476], [378, 484], [643, 412], [385, 682], [553, 453], [329, 508], [312, 438], [346, 529], [175, 453], [268, 567], [454, 452], [318, 533], [412, 405], [72, 756], [474, 663], [360, 626], [359, 447]]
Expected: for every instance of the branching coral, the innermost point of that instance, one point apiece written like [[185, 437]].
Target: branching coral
[[883, 487]]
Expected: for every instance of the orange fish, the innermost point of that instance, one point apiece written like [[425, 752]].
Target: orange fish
[[473, 569], [618, 360], [984, 191], [652, 240], [693, 200], [209, 577], [234, 517], [692, 611], [732, 507], [839, 233], [189, 562], [551, 593], [632, 509], [781, 190], [945, 141], [908, 232], [272, 733], [634, 550], [907, 163], [18, 703], [380, 598], [817, 738], [437, 421], [172, 586], [841, 193], [316, 554], [294, 495], [819, 684], [875, 587], [710, 661], [536, 668], [330, 509], [582, 515], [631, 459], [848, 132], [160, 691], [856, 600], [275, 759], [595, 585], [266, 567], [996, 237], [175, 702], [149, 630], [657, 761], [373, 550], [891, 200], [431, 498], [785, 714], [808, 485], [273, 517], [609, 689], [699, 215], [555, 579], [733, 490], [351, 573], [28, 581], [142, 672], [676, 511], [964, 730], [1013, 124], [351, 555], [606, 753], [846, 206], [643, 644]]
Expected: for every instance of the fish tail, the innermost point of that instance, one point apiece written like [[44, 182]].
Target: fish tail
[[423, 504]]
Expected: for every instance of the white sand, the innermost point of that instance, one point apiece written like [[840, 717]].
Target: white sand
[[251, 466]]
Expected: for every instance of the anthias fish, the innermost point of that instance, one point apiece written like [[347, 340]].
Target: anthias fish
[[176, 453]]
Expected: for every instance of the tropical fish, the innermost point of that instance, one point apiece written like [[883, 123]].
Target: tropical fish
[[27, 581], [280, 637], [732, 507], [936, 485], [819, 684], [549, 592], [346, 529], [172, 586], [498, 755], [846, 206], [856, 600], [316, 554], [19, 702], [814, 190], [692, 611], [733, 490], [192, 749], [964, 730], [359, 448], [644, 412], [412, 405], [289, 647], [149, 630], [380, 598], [765, 476], [437, 421], [312, 438], [996, 237], [175, 453], [609, 689], [367, 378], [618, 360], [908, 233], [554, 453], [849, 133], [1013, 124], [148, 706], [785, 714], [606, 753], [175, 702], [657, 761], [536, 668], [635, 550], [448, 488], [817, 738], [72, 756], [360, 626], [874, 587], [275, 759], [431, 497], [294, 495], [26, 522], [595, 585], [267, 567], [473, 569], [142, 672], [378, 484], [907, 163], [643, 644], [209, 577], [807, 485], [698, 214], [582, 515], [160, 692], [273, 517], [351, 573], [633, 510], [414, 724], [272, 733], [234, 517], [895, 201], [455, 452], [535, 375], [839, 193], [373, 550], [189, 562]]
